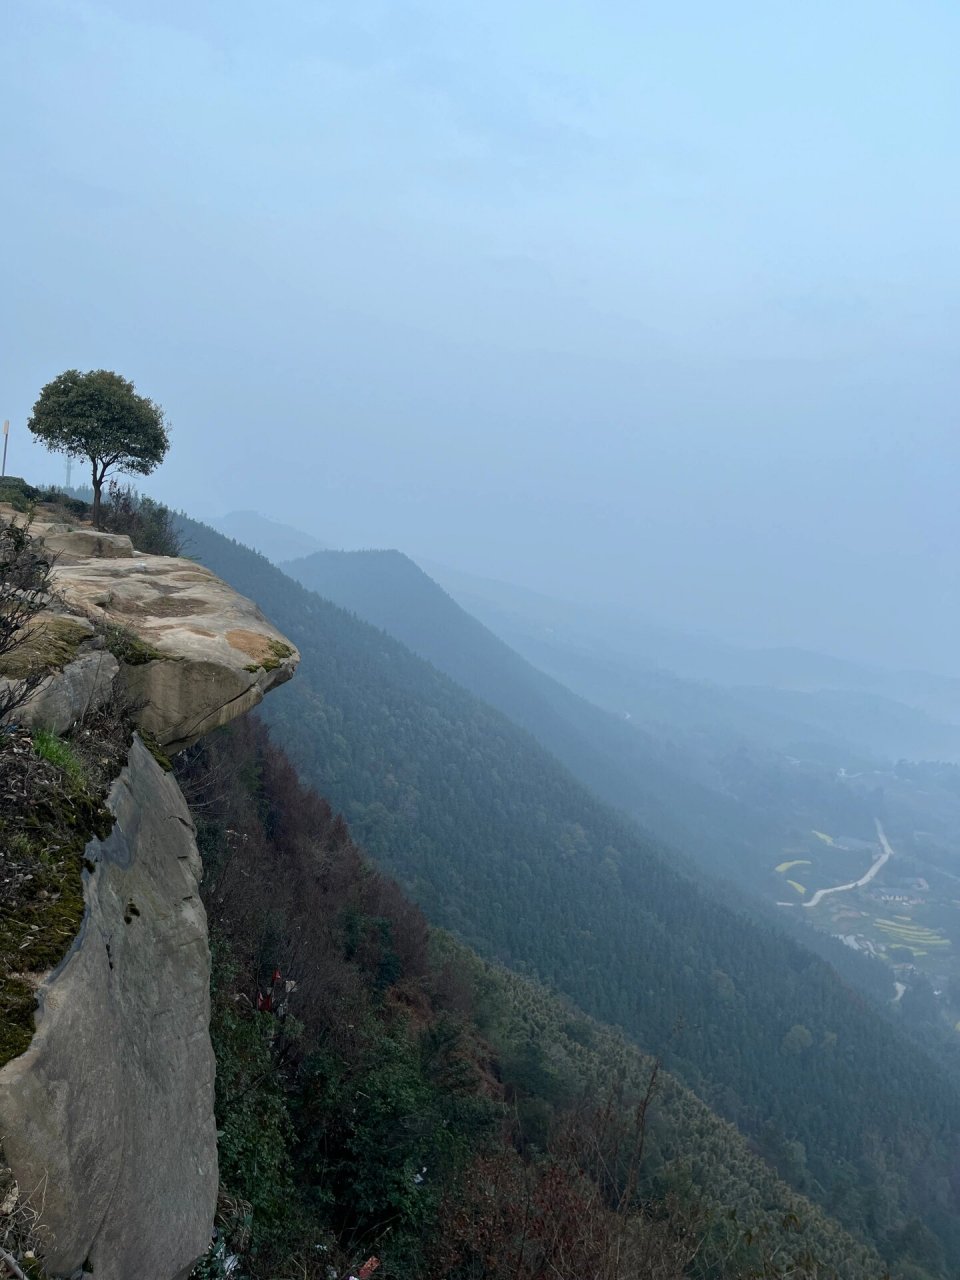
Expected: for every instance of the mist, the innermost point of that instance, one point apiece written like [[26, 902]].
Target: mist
[[643, 305]]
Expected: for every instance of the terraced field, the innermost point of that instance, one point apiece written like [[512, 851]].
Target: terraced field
[[903, 932]]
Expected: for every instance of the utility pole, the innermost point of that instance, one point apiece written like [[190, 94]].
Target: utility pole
[[69, 470], [6, 437]]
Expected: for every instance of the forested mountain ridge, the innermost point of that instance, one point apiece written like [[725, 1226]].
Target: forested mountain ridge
[[646, 777], [498, 842]]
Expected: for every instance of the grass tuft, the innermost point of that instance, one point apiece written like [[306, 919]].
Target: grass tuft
[[51, 643], [49, 746]]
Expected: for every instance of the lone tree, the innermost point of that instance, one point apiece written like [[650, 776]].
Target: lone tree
[[99, 416]]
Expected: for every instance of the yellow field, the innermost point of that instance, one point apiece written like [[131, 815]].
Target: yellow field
[[821, 835], [799, 887], [797, 862]]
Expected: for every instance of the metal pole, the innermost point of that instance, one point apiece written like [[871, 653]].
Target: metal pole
[[6, 437]]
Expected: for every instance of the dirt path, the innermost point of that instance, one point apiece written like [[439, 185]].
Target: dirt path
[[885, 856]]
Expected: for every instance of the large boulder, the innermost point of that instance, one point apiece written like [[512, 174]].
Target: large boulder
[[80, 670], [107, 1119], [203, 653]]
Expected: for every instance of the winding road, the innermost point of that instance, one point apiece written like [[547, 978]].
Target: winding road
[[885, 856]]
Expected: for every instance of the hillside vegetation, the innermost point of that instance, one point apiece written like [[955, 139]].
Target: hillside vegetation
[[382, 1093], [496, 841]]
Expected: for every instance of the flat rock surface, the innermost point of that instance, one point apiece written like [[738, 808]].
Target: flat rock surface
[[70, 542], [217, 653]]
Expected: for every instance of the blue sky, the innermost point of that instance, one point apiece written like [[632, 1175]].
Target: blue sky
[[656, 303]]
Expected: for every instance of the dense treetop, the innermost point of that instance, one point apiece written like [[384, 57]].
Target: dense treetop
[[99, 416]]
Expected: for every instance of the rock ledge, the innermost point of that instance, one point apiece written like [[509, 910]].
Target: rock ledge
[[205, 654]]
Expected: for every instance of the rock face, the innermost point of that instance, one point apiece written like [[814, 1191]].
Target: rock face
[[209, 654], [106, 1120], [110, 1110], [66, 696]]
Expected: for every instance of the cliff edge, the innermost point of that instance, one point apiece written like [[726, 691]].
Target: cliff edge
[[106, 1120]]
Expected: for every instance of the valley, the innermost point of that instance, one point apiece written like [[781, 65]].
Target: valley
[[822, 747]]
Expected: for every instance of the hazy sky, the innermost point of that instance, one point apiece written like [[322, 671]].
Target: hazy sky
[[649, 301]]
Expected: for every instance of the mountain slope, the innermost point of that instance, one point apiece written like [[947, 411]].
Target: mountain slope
[[646, 777], [699, 784], [698, 779], [498, 842], [502, 1075]]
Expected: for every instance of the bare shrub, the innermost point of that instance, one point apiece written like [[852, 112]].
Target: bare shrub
[[21, 1235], [24, 592]]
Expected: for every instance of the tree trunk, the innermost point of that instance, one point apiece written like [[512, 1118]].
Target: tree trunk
[[97, 490]]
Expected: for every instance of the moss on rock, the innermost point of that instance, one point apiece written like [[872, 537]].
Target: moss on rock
[[152, 743], [52, 642], [48, 813], [130, 649], [277, 653]]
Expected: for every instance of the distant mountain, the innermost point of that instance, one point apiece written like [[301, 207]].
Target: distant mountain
[[499, 842], [784, 698], [272, 539]]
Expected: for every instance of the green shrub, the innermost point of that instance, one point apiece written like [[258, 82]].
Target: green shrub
[[49, 746], [20, 495], [68, 505]]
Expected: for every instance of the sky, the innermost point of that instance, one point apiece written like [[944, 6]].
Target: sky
[[655, 304]]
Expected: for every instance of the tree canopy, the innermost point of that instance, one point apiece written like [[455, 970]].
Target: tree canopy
[[99, 416]]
